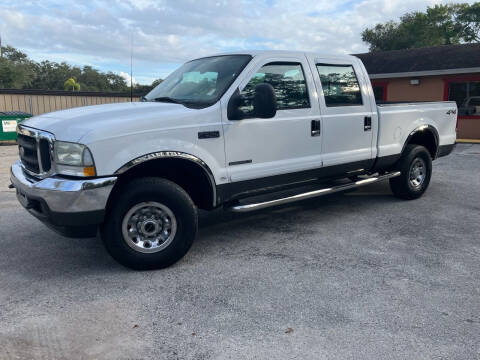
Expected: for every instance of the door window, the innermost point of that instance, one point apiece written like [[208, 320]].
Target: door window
[[288, 81], [340, 85]]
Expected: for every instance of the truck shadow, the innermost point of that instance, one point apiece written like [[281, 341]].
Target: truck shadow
[[300, 218], [55, 256], [329, 205]]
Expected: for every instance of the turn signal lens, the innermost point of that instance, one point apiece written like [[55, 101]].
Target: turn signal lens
[[89, 171]]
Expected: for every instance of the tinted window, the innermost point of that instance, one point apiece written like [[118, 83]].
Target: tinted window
[[287, 80], [340, 85]]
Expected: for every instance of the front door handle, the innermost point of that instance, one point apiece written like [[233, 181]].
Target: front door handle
[[315, 127], [367, 123]]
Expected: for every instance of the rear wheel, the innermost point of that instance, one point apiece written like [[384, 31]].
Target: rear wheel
[[151, 225], [415, 166]]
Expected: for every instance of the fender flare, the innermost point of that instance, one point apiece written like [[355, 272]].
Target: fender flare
[[173, 155], [424, 128]]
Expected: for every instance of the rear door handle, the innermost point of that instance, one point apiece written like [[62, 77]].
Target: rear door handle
[[367, 123], [315, 127]]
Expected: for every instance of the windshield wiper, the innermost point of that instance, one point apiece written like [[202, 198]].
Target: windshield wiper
[[168, 99]]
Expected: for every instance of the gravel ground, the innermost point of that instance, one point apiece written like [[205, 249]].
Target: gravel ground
[[359, 275]]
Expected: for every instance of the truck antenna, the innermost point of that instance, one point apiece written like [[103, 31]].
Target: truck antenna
[[131, 67]]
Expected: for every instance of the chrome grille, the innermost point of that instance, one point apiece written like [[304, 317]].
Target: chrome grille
[[27, 148], [35, 149]]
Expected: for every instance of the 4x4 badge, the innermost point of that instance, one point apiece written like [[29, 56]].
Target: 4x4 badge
[[452, 112]]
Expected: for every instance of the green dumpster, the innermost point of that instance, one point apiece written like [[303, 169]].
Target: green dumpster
[[9, 120]]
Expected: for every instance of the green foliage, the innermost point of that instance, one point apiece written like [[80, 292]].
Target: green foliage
[[470, 18], [71, 84], [17, 71], [439, 25], [144, 89]]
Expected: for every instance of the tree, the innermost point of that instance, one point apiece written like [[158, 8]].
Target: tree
[[469, 17], [71, 84], [17, 71], [145, 89], [157, 82], [439, 25]]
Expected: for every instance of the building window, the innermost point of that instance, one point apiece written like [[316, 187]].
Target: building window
[[467, 96]]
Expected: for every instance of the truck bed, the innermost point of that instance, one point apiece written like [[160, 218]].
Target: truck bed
[[398, 119]]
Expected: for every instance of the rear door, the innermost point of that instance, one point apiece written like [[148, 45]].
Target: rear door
[[348, 116], [257, 148]]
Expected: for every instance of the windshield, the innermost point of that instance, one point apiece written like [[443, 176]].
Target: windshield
[[201, 82]]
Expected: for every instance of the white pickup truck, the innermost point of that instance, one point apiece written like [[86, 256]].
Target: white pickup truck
[[218, 132]]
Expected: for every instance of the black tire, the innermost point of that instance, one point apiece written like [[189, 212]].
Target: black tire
[[143, 190], [403, 186]]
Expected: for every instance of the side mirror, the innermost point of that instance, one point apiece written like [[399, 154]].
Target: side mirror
[[265, 101], [233, 107]]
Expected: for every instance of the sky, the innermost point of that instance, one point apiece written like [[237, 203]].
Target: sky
[[166, 33]]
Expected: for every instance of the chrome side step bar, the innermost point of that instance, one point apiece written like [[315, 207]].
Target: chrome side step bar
[[311, 194]]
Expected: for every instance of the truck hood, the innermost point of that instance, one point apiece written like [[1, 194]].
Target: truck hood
[[109, 119]]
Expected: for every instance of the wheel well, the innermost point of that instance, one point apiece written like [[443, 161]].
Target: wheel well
[[425, 138], [185, 173]]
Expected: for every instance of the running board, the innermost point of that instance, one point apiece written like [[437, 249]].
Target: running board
[[312, 194]]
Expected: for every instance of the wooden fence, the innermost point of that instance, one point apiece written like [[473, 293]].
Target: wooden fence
[[38, 102]]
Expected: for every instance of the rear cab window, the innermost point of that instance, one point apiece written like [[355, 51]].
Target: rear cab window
[[340, 85]]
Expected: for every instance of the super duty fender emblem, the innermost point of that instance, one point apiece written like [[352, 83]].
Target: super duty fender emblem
[[452, 112]]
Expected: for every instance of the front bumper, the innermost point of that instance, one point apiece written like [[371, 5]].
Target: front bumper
[[69, 206]]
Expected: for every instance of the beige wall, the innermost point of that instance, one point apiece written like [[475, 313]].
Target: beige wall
[[468, 128], [39, 104], [430, 89]]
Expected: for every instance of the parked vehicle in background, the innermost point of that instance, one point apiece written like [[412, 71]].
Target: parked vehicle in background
[[471, 106], [218, 132]]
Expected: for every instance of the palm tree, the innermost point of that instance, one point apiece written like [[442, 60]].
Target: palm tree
[[71, 84]]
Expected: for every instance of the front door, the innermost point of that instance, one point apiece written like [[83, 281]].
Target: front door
[[257, 148]]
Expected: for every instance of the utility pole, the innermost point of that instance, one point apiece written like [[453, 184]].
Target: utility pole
[[1, 54]]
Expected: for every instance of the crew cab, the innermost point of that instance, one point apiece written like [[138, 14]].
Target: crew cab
[[241, 131]]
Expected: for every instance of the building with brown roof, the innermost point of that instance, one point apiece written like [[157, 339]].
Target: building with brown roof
[[449, 72]]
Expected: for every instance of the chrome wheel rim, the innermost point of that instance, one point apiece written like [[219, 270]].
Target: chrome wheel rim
[[149, 227], [418, 171]]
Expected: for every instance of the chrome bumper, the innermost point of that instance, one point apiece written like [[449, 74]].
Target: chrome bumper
[[61, 195]]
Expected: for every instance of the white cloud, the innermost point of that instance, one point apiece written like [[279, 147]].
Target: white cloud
[[172, 31], [127, 77]]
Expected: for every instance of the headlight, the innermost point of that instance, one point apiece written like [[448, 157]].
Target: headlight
[[73, 159]]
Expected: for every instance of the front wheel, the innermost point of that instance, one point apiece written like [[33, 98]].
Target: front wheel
[[151, 225], [415, 166]]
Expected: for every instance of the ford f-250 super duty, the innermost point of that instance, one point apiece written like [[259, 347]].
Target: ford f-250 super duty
[[218, 132]]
